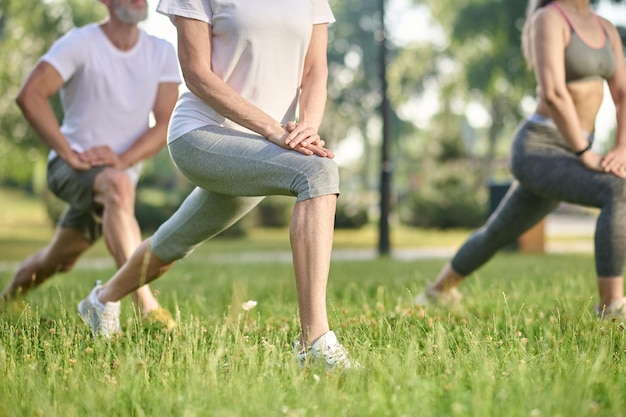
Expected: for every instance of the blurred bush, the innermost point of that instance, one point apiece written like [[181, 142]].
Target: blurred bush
[[274, 211], [350, 215], [449, 200]]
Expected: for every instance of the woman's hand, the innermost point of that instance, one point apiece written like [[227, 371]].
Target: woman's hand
[[301, 135], [303, 139], [615, 161], [594, 162]]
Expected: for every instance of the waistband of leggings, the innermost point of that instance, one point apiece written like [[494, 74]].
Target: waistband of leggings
[[546, 121], [541, 120]]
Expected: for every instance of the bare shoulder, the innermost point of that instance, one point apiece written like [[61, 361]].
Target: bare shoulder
[[550, 23], [549, 17]]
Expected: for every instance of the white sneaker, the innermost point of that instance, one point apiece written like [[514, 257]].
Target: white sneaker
[[103, 319], [326, 347], [615, 310], [431, 298]]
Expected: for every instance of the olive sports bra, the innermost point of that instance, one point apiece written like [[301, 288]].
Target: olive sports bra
[[584, 62]]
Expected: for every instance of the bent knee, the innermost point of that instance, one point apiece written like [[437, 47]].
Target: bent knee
[[321, 177], [115, 186], [118, 181], [66, 267], [49, 268]]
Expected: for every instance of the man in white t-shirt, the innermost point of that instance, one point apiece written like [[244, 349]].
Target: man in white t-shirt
[[111, 76]]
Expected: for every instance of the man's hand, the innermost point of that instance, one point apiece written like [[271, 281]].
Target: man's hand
[[74, 160], [101, 156]]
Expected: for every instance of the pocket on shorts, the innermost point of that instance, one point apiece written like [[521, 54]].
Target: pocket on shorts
[[55, 177], [66, 184]]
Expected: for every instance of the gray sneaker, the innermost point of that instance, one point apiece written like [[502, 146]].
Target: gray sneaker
[[431, 298], [614, 311], [326, 347], [103, 320]]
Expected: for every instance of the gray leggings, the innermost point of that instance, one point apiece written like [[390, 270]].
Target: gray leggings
[[233, 172], [546, 173]]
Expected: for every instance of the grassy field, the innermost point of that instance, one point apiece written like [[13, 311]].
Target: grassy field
[[524, 343]]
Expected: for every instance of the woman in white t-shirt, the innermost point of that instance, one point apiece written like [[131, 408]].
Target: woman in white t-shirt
[[249, 66]]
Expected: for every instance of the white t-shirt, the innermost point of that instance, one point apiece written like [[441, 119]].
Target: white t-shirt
[[108, 94], [258, 50]]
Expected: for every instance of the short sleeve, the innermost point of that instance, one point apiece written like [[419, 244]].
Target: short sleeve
[[66, 54], [322, 12], [170, 72], [193, 9]]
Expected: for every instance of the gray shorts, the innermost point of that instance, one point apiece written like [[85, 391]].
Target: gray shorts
[[76, 189], [233, 172]]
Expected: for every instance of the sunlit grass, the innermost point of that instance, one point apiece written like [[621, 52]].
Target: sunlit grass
[[524, 343]]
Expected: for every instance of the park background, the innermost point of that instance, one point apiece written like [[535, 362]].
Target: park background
[[526, 342], [456, 87]]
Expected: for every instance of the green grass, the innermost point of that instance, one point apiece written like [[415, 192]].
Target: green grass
[[524, 343]]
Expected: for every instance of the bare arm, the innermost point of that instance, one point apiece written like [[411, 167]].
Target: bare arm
[[33, 100], [314, 79], [194, 54], [616, 158], [314, 92]]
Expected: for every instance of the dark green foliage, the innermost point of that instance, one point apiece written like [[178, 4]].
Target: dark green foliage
[[449, 200], [350, 215], [446, 192], [274, 211]]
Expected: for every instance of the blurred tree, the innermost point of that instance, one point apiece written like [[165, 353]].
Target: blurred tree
[[445, 192], [484, 43], [480, 62], [484, 39], [354, 95], [354, 85], [27, 29]]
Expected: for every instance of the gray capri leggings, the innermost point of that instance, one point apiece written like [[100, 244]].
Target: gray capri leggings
[[233, 172], [547, 172]]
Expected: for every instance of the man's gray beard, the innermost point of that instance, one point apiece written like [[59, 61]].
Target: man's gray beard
[[130, 16]]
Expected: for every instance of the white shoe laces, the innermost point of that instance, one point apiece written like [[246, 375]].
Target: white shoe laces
[[336, 355]]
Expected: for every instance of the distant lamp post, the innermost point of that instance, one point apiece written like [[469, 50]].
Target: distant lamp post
[[384, 245]]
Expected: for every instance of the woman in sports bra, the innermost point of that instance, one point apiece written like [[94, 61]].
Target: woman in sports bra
[[573, 52]]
